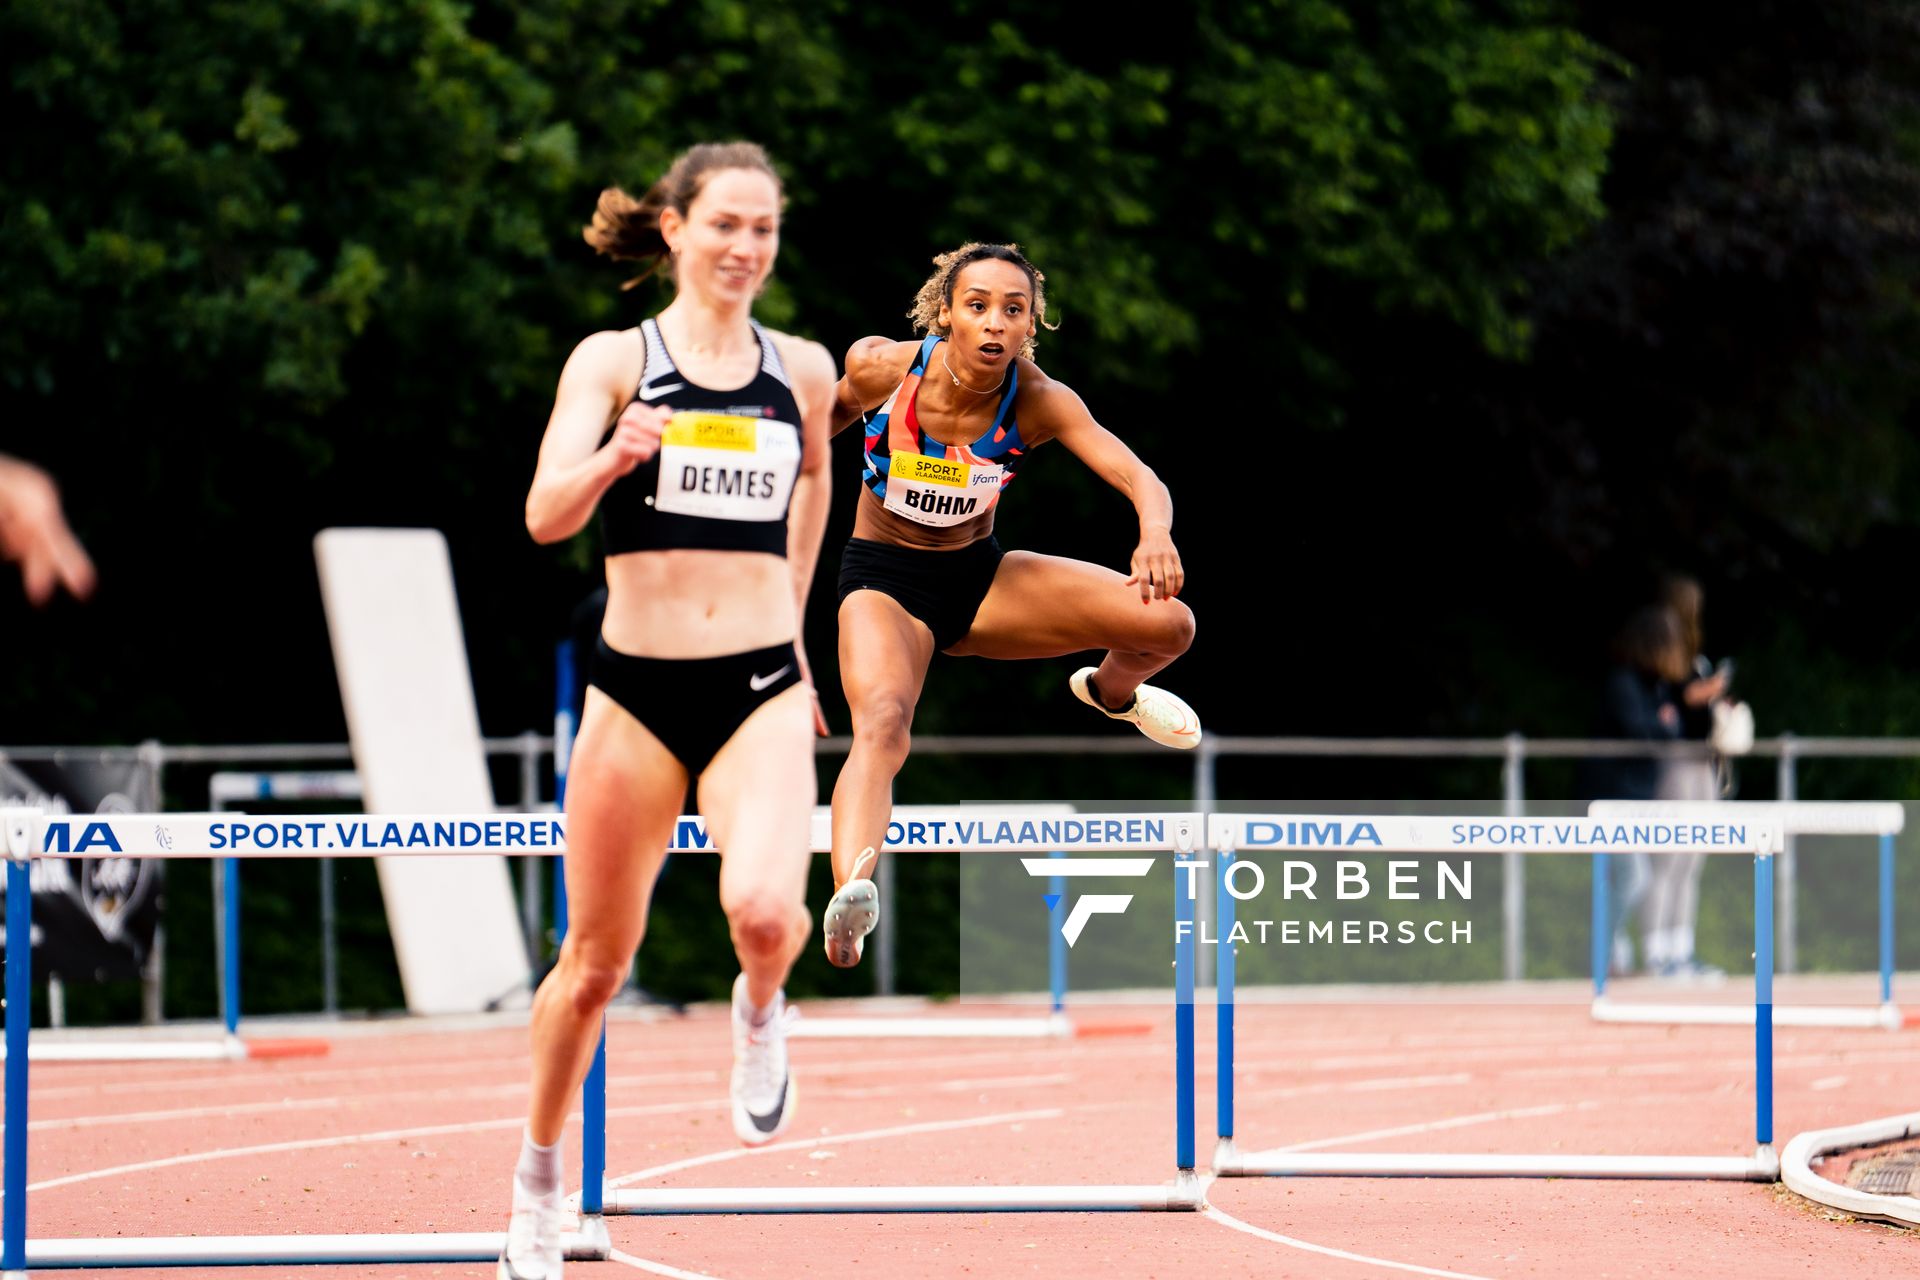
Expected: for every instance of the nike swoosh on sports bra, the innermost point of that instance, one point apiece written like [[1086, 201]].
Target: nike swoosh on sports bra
[[931, 483], [724, 474]]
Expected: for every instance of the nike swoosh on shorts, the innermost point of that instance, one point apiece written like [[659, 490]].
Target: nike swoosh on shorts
[[757, 683]]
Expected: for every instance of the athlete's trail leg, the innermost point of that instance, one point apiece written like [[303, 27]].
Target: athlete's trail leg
[[1047, 606]]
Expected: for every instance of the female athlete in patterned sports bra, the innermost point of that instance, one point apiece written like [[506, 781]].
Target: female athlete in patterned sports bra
[[702, 440], [957, 414]]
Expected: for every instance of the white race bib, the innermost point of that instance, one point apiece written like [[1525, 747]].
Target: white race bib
[[725, 467], [940, 491]]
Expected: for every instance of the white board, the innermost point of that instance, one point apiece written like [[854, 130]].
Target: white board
[[402, 662]]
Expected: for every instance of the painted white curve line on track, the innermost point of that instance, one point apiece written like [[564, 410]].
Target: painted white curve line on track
[[960, 1086], [657, 1268], [831, 1139], [736, 1153], [1451, 1122], [1228, 1220], [479, 1093], [353, 1139], [442, 1130]]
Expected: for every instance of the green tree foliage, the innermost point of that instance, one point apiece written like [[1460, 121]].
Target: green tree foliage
[[268, 268], [1411, 301]]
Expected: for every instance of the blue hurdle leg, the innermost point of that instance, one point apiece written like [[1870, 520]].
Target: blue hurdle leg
[[1056, 940], [230, 962], [1763, 997], [1223, 963], [19, 1014], [593, 1129], [1886, 919], [1182, 1017], [1602, 926]]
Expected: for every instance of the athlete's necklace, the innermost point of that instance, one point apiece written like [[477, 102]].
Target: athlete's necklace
[[963, 386]]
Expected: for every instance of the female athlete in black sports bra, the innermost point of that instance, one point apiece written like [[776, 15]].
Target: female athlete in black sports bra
[[702, 440], [949, 419]]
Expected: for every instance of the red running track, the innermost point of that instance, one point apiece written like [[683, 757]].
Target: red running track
[[410, 1128]]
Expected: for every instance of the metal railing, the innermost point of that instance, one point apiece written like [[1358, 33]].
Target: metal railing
[[1512, 752]]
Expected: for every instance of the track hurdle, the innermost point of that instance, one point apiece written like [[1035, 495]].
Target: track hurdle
[[1038, 838], [226, 789], [1231, 836], [30, 834], [1786, 818]]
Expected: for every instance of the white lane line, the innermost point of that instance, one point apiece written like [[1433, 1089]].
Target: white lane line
[[1228, 1220], [516, 1121], [961, 1086], [834, 1139], [268, 1076], [1737, 1065], [657, 1268], [1451, 1122], [477, 1094], [473, 1126], [264, 1074], [1373, 1084]]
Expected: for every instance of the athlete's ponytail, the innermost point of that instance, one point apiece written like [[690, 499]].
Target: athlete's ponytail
[[624, 228], [937, 292]]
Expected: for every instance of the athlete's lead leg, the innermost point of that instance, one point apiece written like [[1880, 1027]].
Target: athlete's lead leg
[[1048, 606]]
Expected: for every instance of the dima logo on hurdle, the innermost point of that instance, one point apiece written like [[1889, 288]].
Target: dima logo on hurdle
[[1087, 905]]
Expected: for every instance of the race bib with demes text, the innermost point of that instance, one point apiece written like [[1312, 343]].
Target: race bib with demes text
[[941, 491], [727, 467]]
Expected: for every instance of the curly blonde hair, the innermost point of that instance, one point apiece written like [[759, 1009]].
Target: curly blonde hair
[[627, 228], [937, 292]]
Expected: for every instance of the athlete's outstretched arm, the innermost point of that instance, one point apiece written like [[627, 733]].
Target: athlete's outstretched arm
[[813, 387], [575, 468], [1063, 416]]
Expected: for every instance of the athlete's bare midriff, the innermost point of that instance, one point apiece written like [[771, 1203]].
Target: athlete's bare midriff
[[685, 603], [872, 521]]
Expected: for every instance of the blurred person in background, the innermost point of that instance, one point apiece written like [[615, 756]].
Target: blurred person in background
[[1637, 703], [1673, 894], [35, 536]]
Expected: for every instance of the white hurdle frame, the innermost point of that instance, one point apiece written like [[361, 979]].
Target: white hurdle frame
[[1787, 818], [970, 829], [30, 833], [1230, 834]]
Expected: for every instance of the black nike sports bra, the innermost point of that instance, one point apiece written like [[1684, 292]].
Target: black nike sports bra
[[724, 474]]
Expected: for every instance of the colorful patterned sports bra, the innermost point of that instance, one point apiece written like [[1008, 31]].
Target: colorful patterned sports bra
[[937, 484]]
